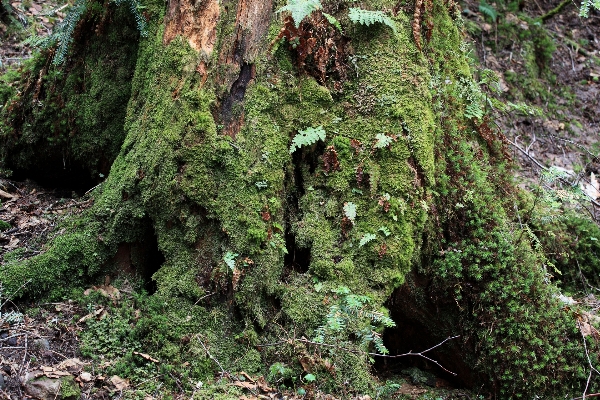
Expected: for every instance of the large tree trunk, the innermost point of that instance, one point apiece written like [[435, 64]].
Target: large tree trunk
[[253, 237]]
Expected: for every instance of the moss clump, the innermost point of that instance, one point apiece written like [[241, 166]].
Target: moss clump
[[182, 336], [69, 389], [4, 226], [571, 242]]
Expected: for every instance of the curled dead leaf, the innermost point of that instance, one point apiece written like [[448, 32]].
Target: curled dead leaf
[[86, 377], [73, 365], [51, 372], [119, 383]]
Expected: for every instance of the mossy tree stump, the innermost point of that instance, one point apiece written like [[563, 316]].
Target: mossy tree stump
[[407, 200]]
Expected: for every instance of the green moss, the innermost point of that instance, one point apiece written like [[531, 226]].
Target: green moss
[[571, 242], [69, 389], [4, 226]]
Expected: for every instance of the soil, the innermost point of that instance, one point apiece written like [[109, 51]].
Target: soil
[[38, 336]]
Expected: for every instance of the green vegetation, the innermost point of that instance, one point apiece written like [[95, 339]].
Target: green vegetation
[[4, 226]]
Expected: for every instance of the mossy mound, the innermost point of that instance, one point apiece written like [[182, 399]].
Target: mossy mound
[[264, 240]]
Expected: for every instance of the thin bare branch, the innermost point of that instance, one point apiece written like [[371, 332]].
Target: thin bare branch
[[354, 351]]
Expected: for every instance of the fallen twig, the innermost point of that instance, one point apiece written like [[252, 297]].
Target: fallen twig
[[410, 353], [223, 372], [555, 10], [536, 162]]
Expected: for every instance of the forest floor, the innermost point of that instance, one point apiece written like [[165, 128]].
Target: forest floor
[[43, 339]]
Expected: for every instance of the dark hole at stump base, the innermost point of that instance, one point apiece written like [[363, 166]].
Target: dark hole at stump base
[[64, 180], [419, 327], [141, 258]]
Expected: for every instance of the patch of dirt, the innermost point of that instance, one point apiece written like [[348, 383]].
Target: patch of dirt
[[32, 213], [43, 338]]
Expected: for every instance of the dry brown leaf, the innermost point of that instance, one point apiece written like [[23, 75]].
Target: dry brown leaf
[[245, 375], [99, 312], [73, 365], [592, 188], [6, 195], [86, 377], [107, 291], [410, 390], [51, 372], [245, 385], [13, 244], [119, 383], [307, 363], [262, 384]]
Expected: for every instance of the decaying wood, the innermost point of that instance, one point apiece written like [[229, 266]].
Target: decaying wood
[[195, 20], [416, 23], [236, 58]]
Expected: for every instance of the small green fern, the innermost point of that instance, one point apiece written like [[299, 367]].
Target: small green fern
[[300, 9], [366, 17], [63, 33], [352, 317], [488, 10], [7, 11], [383, 141], [333, 21], [474, 110], [134, 8], [350, 211], [307, 137], [587, 5], [367, 237]]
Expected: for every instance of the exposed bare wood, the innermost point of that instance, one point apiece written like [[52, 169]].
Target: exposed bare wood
[[195, 20]]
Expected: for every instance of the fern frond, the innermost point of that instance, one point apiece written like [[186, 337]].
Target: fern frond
[[37, 41], [488, 10], [366, 17], [333, 21], [134, 8], [474, 110], [63, 33], [587, 5], [385, 230], [300, 9], [383, 141], [9, 10], [307, 137], [367, 237], [350, 211]]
